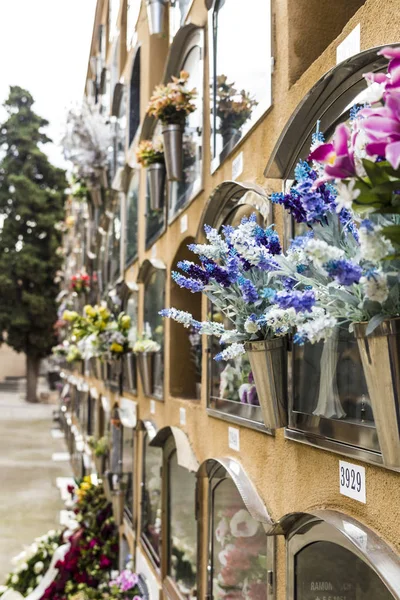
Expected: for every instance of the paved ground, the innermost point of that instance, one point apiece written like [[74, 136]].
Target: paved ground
[[29, 499]]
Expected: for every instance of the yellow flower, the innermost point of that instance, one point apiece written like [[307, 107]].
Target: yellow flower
[[89, 310], [104, 312], [85, 486], [125, 322], [69, 315], [116, 347], [88, 479]]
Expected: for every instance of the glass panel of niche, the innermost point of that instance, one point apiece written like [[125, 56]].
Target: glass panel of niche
[[155, 219], [178, 10], [114, 243], [131, 309], [154, 301], [128, 434], [330, 394], [151, 500], [132, 205], [182, 553], [232, 389], [324, 569], [240, 73], [181, 192], [239, 547]]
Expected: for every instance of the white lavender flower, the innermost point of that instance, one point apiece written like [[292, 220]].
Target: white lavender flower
[[320, 252], [373, 245], [233, 351], [375, 286], [180, 316], [281, 320], [346, 194], [208, 250], [316, 330], [211, 328], [231, 335], [251, 325]]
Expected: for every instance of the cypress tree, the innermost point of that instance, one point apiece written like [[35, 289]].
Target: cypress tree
[[32, 193]]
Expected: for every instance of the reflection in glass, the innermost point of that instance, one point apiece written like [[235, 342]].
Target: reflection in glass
[[151, 498], [132, 204], [182, 529], [154, 301], [182, 191], [120, 132], [134, 98], [240, 73], [177, 14], [127, 467], [329, 380], [114, 245], [131, 309], [239, 547], [324, 569]]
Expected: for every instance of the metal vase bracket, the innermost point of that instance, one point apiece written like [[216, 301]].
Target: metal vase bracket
[[268, 361], [155, 16], [380, 355], [149, 364], [129, 369], [173, 151], [156, 178]]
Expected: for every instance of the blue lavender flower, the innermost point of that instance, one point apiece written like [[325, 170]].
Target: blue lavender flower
[[187, 282], [288, 283], [348, 223], [301, 171], [267, 293], [220, 274], [194, 271], [300, 301], [344, 271], [300, 339], [249, 292]]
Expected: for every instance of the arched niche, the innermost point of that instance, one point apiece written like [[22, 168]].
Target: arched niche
[[179, 527], [127, 411], [231, 393], [186, 54], [132, 216], [327, 100], [227, 197], [233, 67], [151, 498], [333, 412], [134, 96], [185, 345], [239, 531], [332, 554]]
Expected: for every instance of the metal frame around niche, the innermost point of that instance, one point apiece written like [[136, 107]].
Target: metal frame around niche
[[326, 102], [227, 197], [338, 528], [217, 160], [216, 470]]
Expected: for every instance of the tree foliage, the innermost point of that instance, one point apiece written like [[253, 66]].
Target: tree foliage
[[31, 203]]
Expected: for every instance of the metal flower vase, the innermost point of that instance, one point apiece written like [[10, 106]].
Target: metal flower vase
[[155, 16], [268, 361], [94, 367], [118, 501], [173, 151], [99, 462], [149, 364], [156, 179], [129, 372], [380, 355]]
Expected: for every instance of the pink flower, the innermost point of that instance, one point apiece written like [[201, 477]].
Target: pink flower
[[257, 591], [382, 127], [104, 562], [221, 530], [243, 525], [337, 156]]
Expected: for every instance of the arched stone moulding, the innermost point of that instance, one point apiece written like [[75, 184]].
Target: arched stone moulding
[[147, 267], [222, 467], [326, 101], [125, 289], [148, 427], [184, 451], [175, 55], [347, 532], [229, 195]]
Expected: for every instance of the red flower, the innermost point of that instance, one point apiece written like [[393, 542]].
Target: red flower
[[104, 562]]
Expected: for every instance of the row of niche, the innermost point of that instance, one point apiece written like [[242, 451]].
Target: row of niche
[[204, 531], [311, 416]]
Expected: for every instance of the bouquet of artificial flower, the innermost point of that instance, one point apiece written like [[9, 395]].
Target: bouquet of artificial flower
[[80, 283], [124, 586], [32, 563], [366, 161], [100, 447], [172, 103], [146, 345], [233, 108], [148, 153]]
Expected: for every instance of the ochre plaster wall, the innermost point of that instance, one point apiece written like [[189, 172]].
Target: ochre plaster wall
[[290, 477]]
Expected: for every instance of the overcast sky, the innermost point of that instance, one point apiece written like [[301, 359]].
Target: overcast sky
[[44, 47]]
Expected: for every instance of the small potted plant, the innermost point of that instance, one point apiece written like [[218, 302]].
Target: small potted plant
[[149, 361], [151, 156], [171, 103], [155, 16], [233, 108]]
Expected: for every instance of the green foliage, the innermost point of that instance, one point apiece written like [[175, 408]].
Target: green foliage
[[31, 203]]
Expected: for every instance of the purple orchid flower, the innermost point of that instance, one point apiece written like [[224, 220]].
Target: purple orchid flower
[[337, 156], [382, 126]]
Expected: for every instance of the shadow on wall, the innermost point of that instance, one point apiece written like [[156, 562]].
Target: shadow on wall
[[12, 364]]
